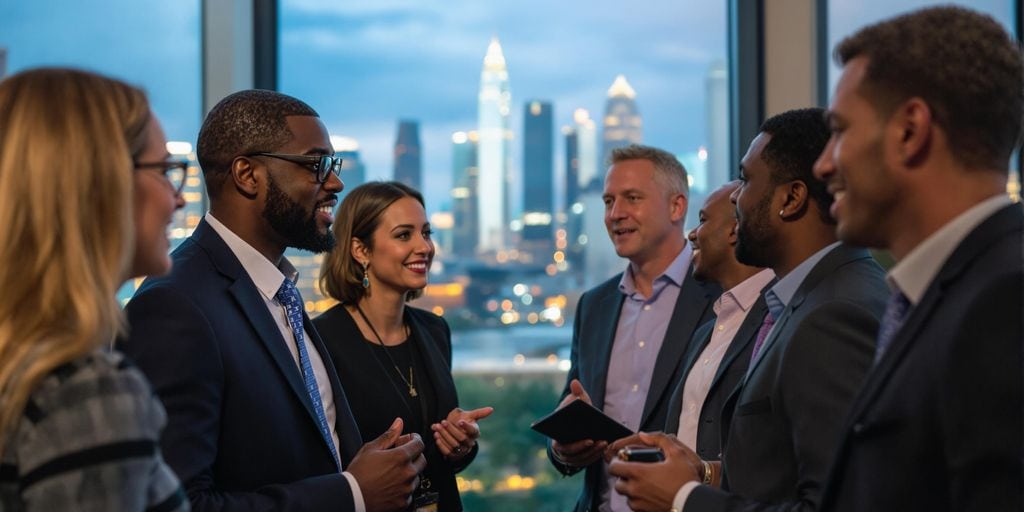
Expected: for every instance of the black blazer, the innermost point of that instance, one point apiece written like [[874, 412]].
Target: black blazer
[[593, 333], [790, 407], [938, 423], [729, 374], [376, 401], [241, 432]]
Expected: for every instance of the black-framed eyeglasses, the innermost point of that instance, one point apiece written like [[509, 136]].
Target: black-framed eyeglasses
[[321, 165], [174, 171]]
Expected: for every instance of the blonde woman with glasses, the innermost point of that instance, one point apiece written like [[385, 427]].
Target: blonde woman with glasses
[[87, 190]]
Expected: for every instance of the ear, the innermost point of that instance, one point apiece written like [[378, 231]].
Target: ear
[[360, 251], [794, 201], [911, 127], [244, 176], [732, 238], [678, 207]]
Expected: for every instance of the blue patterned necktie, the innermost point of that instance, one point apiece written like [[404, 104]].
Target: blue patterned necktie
[[289, 297], [895, 313]]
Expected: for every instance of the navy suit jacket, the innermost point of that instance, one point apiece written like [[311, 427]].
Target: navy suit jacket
[[938, 425], [730, 372], [241, 432], [790, 407], [376, 403], [597, 317]]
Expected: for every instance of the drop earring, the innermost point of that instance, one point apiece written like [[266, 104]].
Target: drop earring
[[366, 275]]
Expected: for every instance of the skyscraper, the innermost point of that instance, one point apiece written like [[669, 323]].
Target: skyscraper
[[586, 148], [408, 161], [538, 175], [493, 153], [465, 174], [3, 62], [353, 171], [716, 110], [622, 123]]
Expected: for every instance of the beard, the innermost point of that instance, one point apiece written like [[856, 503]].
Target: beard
[[293, 222], [754, 236]]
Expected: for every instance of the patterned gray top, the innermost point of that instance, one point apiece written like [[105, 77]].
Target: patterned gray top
[[89, 440]]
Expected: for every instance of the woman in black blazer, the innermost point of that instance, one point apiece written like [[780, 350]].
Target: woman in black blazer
[[391, 359]]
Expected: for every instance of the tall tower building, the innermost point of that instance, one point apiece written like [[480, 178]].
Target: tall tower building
[[717, 126], [494, 156], [586, 148], [353, 171], [408, 161], [538, 175], [3, 62], [622, 123], [465, 174]]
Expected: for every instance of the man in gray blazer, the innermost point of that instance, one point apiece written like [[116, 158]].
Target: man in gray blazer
[[811, 354], [637, 321]]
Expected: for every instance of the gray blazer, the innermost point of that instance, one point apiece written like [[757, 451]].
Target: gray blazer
[[790, 408]]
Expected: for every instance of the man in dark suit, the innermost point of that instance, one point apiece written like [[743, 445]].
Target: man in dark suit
[[923, 134], [720, 351], [812, 351], [637, 321], [257, 419]]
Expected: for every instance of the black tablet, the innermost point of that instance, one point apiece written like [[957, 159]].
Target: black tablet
[[579, 420]]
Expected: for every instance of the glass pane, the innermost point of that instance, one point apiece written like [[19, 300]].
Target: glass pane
[[149, 43], [498, 112]]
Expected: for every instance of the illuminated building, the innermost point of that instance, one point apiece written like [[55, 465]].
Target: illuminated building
[[538, 178], [622, 123], [408, 160], [465, 174], [494, 157]]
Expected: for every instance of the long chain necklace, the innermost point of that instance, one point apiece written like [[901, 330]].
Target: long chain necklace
[[408, 383]]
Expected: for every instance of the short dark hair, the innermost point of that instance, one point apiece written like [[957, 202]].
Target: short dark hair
[[245, 122], [341, 275], [797, 139], [963, 64]]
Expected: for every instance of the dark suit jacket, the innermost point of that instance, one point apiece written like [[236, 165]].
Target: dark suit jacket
[[790, 408], [241, 432], [375, 403], [729, 374], [593, 333], [938, 423]]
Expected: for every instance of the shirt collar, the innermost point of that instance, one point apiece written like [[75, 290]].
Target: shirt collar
[[918, 269], [675, 273], [264, 274], [745, 294], [786, 288]]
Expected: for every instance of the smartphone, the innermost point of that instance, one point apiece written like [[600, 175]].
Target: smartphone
[[641, 454]]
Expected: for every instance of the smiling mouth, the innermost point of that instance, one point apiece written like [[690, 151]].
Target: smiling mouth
[[419, 266], [623, 231]]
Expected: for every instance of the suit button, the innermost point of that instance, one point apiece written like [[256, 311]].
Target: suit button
[[858, 428]]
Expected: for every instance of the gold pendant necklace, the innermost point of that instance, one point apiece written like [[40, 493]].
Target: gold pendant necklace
[[408, 383]]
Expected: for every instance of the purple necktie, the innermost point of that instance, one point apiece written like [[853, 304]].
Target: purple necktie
[[895, 313], [766, 327]]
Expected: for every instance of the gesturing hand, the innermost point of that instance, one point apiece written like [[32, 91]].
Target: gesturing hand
[[387, 469], [585, 451], [456, 434]]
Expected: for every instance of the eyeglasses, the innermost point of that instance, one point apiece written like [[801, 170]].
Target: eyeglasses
[[321, 165], [174, 172]]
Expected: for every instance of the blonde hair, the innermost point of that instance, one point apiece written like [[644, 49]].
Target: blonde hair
[[67, 141], [341, 276]]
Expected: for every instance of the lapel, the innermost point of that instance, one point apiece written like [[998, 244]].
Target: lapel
[[746, 335], [835, 258], [700, 341], [693, 301], [252, 305], [1004, 222], [438, 366], [606, 322]]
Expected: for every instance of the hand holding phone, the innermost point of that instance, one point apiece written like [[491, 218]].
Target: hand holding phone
[[641, 454]]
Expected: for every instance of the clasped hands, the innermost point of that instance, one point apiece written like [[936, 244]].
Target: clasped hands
[[647, 486]]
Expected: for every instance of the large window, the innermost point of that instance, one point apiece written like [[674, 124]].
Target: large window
[[152, 44], [508, 153]]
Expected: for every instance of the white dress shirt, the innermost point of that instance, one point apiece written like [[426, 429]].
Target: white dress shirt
[[268, 278]]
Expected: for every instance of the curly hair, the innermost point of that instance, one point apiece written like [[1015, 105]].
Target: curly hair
[[963, 64], [797, 139], [242, 123]]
